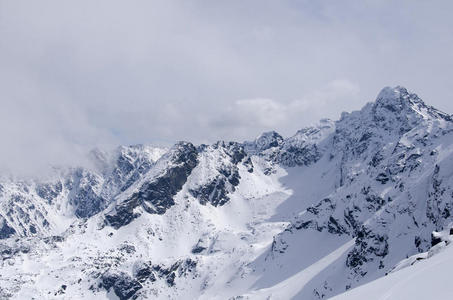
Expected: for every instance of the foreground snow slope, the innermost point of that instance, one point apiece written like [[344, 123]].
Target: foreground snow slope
[[289, 288], [333, 207], [426, 279]]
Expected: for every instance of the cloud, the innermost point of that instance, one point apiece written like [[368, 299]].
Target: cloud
[[40, 127], [260, 114], [79, 74]]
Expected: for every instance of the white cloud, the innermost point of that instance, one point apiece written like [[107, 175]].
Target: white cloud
[[80, 73], [261, 114]]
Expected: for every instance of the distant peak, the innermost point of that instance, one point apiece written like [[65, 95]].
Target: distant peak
[[272, 134], [268, 140], [399, 100], [398, 94], [391, 92]]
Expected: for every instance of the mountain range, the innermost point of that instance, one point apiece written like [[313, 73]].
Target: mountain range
[[352, 208]]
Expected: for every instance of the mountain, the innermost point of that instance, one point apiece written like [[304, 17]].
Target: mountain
[[333, 207]]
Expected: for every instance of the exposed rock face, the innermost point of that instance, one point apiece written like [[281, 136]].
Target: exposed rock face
[[143, 272], [130, 164], [5, 230], [224, 172], [124, 286], [264, 142], [155, 194]]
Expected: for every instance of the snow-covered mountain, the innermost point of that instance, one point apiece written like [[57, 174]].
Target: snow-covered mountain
[[337, 205]]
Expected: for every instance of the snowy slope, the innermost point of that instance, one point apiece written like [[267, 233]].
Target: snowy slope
[[427, 276], [337, 205]]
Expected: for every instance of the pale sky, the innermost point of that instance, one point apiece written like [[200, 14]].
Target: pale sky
[[80, 74]]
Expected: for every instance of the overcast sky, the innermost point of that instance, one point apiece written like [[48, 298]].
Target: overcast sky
[[80, 74]]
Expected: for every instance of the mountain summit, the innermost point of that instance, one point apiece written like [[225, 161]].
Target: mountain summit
[[335, 206], [400, 101]]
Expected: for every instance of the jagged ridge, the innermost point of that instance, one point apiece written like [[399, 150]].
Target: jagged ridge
[[380, 176]]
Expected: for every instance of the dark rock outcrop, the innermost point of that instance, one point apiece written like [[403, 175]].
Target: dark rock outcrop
[[6, 231], [216, 190], [124, 286], [156, 195]]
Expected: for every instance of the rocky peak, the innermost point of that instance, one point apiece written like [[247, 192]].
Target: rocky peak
[[182, 153], [154, 193], [395, 109], [394, 113], [398, 102], [396, 96]]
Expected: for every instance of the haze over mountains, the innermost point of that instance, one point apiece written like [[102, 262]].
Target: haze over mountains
[[333, 207]]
